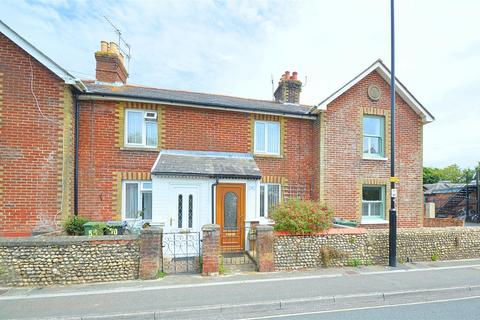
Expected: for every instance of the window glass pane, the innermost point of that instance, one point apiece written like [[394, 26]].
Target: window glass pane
[[260, 136], [180, 210], [364, 209], [147, 186], [376, 209], [372, 193], [131, 200], [230, 211], [372, 126], [152, 137], [134, 126], [262, 201], [190, 211], [273, 138], [373, 145], [366, 144], [273, 196], [147, 205]]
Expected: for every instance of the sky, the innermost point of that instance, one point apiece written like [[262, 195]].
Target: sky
[[236, 47]]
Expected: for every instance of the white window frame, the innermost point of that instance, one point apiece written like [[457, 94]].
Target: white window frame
[[265, 198], [141, 191], [381, 137], [144, 129], [370, 217], [266, 123]]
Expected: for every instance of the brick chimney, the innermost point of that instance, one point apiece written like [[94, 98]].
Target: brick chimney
[[289, 88], [110, 64]]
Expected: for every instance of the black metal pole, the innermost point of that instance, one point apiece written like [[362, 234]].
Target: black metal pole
[[392, 234]]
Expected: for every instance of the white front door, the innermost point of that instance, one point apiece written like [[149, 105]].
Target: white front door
[[184, 208]]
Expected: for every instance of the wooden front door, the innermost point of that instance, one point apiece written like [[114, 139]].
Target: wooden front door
[[231, 216]]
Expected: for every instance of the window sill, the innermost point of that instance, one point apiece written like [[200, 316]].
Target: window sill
[[375, 158], [374, 221], [265, 155], [156, 149]]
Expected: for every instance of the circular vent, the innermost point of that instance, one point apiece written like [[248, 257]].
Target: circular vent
[[374, 92]]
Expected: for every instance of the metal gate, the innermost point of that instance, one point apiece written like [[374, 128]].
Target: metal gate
[[181, 252]]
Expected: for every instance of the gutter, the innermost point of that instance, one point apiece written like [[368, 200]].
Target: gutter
[[206, 175], [114, 97]]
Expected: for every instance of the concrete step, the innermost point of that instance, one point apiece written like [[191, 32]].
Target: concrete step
[[238, 262]]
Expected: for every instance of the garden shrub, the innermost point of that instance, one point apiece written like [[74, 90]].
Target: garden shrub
[[302, 217], [74, 225]]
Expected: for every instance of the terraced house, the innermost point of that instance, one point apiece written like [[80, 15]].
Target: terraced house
[[108, 150]]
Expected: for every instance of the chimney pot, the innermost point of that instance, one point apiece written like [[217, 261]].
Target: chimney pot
[[103, 46], [113, 48], [294, 75], [287, 75]]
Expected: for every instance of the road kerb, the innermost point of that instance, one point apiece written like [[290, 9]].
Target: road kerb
[[321, 302], [311, 303]]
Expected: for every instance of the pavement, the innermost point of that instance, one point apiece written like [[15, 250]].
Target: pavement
[[249, 295]]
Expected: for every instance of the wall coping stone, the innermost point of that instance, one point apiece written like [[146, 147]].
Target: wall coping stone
[[331, 231], [210, 227], [264, 228], [61, 240]]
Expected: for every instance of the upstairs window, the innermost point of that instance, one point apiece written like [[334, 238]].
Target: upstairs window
[[269, 198], [267, 137], [373, 136], [141, 128]]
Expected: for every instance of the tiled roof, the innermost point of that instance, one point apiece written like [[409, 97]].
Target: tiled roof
[[206, 164], [195, 98]]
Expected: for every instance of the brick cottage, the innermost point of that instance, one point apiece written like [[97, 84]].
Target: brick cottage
[[108, 150]]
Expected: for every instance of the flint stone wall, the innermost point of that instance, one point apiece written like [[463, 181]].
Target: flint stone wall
[[40, 261], [371, 247]]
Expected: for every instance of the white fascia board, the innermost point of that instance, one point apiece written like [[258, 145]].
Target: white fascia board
[[41, 57], [402, 91]]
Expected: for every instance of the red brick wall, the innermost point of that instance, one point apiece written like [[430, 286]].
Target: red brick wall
[[100, 158], [31, 147], [438, 198], [183, 129], [345, 168]]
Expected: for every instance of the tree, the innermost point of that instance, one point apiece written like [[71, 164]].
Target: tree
[[452, 173], [431, 175]]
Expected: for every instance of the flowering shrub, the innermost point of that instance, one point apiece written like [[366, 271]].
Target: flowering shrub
[[302, 217]]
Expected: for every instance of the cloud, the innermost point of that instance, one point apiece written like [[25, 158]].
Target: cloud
[[235, 47]]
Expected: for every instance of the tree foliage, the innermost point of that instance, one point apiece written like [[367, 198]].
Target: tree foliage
[[452, 173]]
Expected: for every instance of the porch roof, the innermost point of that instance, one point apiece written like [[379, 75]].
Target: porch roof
[[206, 164]]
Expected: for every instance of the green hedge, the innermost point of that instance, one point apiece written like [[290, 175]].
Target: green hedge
[[302, 217]]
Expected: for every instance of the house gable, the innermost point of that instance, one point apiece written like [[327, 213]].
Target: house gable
[[40, 57], [379, 67]]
